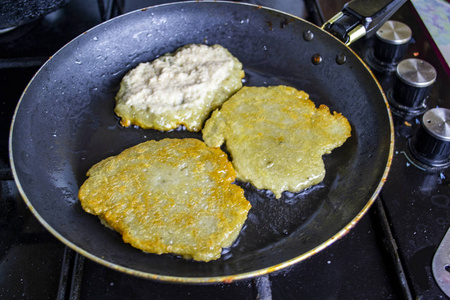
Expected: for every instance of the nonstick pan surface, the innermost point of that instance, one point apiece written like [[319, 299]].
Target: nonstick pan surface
[[64, 123]]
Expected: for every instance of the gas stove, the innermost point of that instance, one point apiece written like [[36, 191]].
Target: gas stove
[[387, 255]]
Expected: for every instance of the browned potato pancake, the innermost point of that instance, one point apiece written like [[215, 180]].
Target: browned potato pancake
[[276, 137], [168, 196], [180, 88]]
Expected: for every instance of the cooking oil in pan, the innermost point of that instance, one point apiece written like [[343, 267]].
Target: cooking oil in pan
[[271, 220]]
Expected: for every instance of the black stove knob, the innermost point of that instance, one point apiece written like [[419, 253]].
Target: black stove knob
[[415, 78], [391, 42], [431, 144]]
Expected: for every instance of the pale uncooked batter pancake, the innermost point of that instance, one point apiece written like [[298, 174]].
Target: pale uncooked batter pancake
[[180, 88]]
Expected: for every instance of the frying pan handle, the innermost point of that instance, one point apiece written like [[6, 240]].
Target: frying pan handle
[[361, 18]]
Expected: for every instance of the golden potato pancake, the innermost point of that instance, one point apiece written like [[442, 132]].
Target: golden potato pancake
[[180, 88], [276, 137], [168, 196]]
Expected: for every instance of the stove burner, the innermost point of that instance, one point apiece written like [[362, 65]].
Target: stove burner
[[20, 12], [10, 223], [5, 30], [12, 34], [110, 8]]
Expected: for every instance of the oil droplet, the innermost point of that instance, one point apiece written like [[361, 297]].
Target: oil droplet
[[308, 35], [316, 59]]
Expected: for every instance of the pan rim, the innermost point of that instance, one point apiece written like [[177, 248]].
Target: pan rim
[[206, 279]]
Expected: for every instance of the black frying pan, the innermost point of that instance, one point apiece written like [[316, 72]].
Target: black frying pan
[[64, 123]]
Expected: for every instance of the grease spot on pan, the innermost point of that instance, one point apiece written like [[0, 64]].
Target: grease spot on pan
[[285, 22]]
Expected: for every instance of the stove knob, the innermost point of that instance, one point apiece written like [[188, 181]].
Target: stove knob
[[415, 78], [391, 42], [431, 145]]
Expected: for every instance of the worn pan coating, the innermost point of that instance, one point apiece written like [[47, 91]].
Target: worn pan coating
[[64, 123]]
